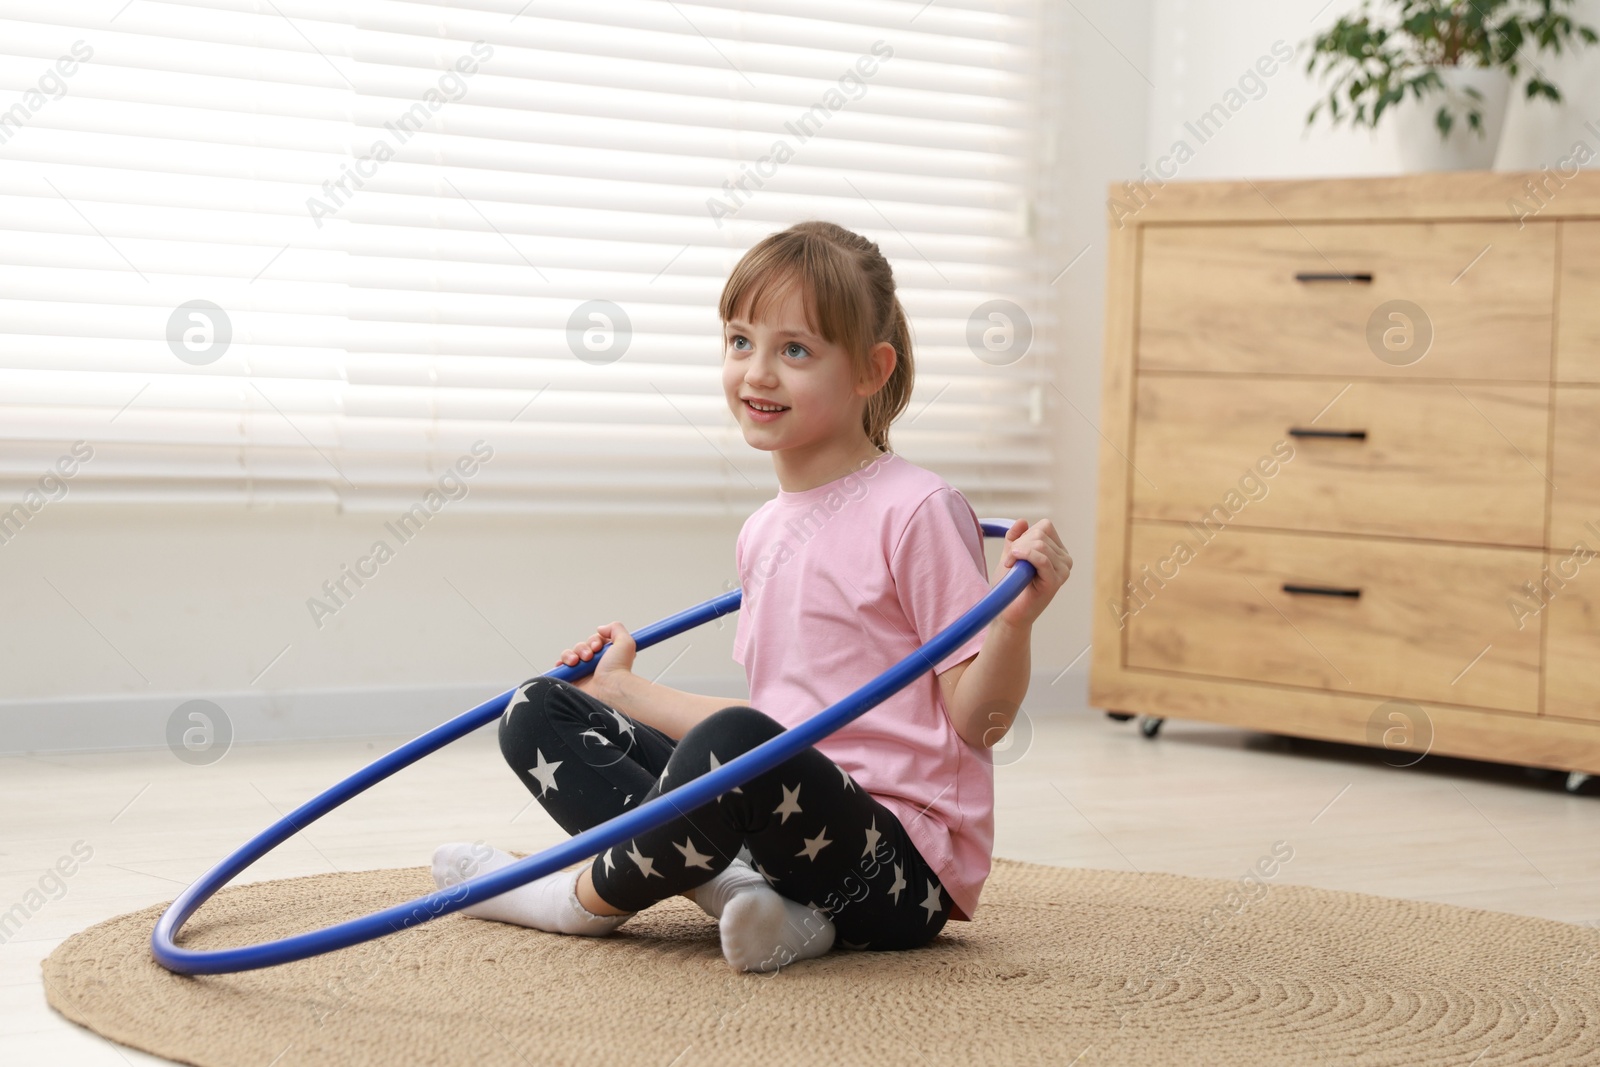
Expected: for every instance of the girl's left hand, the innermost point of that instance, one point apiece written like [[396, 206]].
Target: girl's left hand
[[1052, 565]]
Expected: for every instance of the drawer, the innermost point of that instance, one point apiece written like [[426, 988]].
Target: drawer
[[1572, 622], [1227, 298], [1578, 313], [1575, 470], [1446, 462], [1418, 629]]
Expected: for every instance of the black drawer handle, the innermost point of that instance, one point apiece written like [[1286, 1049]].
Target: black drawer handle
[[1364, 277], [1321, 590], [1308, 431]]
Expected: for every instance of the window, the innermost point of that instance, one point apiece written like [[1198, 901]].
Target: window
[[315, 252]]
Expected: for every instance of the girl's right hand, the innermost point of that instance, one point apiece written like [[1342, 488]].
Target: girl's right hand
[[617, 660]]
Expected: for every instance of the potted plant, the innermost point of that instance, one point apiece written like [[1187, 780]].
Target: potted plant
[[1463, 55]]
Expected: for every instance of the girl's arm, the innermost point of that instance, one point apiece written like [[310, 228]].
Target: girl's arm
[[984, 692], [672, 711]]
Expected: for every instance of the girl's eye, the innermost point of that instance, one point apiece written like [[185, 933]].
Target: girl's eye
[[794, 349]]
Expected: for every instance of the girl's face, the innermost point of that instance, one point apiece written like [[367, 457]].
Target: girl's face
[[780, 362]]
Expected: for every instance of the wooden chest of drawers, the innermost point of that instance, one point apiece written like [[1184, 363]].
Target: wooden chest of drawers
[[1354, 467]]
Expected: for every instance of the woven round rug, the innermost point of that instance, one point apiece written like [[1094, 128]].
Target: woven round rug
[[1062, 966]]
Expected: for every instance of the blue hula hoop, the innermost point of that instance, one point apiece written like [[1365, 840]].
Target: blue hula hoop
[[692, 794]]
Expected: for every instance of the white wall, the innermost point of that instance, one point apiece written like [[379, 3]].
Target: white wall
[[120, 614], [1099, 136], [1200, 48]]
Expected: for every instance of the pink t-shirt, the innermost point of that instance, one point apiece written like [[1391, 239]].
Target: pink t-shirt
[[841, 582]]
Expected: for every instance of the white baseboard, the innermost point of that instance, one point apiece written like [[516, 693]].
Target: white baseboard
[[122, 722]]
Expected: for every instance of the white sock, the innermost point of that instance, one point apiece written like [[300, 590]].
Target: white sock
[[713, 896], [762, 930], [549, 903]]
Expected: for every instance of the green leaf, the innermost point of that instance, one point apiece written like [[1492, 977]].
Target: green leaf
[[1370, 58]]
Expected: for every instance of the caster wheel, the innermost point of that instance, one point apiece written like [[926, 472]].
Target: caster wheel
[[1576, 782], [1150, 725], [1119, 716]]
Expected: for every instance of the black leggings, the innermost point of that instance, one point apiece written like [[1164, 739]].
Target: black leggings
[[813, 833]]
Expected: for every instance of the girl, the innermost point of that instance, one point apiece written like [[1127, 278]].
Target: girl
[[881, 832]]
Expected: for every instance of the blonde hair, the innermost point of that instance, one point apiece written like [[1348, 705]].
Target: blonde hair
[[849, 296]]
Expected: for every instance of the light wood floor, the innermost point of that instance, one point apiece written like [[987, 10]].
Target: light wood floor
[[1200, 800]]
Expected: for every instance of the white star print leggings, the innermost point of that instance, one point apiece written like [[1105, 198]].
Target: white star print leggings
[[818, 837]]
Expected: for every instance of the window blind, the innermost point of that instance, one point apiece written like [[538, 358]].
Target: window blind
[[332, 252]]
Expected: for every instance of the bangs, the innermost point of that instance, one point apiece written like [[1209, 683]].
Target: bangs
[[755, 296], [835, 309]]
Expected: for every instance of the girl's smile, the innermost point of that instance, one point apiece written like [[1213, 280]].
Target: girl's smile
[[764, 413]]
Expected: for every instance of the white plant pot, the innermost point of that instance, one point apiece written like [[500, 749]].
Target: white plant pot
[[1421, 147]]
